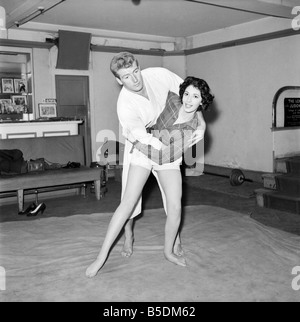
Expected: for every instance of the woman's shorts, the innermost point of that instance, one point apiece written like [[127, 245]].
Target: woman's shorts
[[141, 160]]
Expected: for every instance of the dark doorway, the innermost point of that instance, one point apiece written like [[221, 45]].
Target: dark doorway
[[72, 93]]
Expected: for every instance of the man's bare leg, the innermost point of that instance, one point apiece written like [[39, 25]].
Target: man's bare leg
[[117, 222], [132, 193], [127, 249]]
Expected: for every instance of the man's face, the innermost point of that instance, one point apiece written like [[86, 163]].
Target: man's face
[[131, 78]]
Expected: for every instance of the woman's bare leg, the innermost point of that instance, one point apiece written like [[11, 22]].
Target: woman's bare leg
[[171, 183], [177, 246], [136, 180], [178, 250], [127, 249]]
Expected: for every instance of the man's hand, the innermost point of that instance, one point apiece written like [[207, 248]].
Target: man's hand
[[197, 136]]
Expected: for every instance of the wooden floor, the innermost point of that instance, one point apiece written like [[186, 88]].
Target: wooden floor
[[201, 190]]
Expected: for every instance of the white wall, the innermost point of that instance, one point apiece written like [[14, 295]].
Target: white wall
[[43, 87], [244, 80], [176, 64], [286, 143]]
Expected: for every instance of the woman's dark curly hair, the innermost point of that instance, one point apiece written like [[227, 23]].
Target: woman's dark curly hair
[[207, 97]]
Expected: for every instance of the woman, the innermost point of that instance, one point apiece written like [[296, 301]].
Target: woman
[[179, 116], [178, 121]]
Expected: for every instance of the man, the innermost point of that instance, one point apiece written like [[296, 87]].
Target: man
[[141, 100]]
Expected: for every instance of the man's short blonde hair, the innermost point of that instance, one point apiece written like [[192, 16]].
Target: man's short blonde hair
[[122, 60]]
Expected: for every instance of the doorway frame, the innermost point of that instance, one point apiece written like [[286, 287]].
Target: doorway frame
[[91, 114]]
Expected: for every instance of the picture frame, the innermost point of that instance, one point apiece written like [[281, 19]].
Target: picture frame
[[9, 109], [5, 101], [20, 85], [5, 105], [19, 100], [47, 110], [7, 85]]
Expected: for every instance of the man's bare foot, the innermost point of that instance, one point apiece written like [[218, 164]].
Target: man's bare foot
[[127, 249], [93, 269], [176, 259]]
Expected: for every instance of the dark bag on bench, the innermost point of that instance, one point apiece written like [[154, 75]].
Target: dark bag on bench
[[12, 162], [36, 165]]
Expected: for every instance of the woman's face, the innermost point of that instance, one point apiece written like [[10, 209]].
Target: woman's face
[[191, 99]]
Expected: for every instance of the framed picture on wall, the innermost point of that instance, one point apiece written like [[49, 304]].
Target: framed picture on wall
[[5, 101], [7, 85], [5, 106], [20, 85], [19, 100], [47, 110]]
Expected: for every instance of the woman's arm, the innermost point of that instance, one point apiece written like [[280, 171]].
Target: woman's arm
[[198, 135]]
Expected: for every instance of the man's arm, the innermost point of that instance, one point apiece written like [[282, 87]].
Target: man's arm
[[178, 143], [134, 129]]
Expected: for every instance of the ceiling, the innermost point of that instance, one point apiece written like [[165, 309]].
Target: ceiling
[[161, 18]]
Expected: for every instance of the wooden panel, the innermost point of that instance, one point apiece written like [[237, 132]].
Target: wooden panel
[[21, 135], [72, 93], [49, 178]]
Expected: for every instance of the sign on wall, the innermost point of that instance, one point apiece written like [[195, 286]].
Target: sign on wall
[[292, 112]]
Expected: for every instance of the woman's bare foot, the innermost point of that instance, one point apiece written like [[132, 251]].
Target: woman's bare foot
[[176, 259], [178, 250], [127, 249], [93, 269]]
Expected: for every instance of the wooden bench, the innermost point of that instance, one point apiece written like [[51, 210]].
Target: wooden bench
[[56, 149]]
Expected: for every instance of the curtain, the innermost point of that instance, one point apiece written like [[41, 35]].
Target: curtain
[[73, 50]]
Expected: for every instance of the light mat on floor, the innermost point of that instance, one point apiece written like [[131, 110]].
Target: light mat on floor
[[230, 257]]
